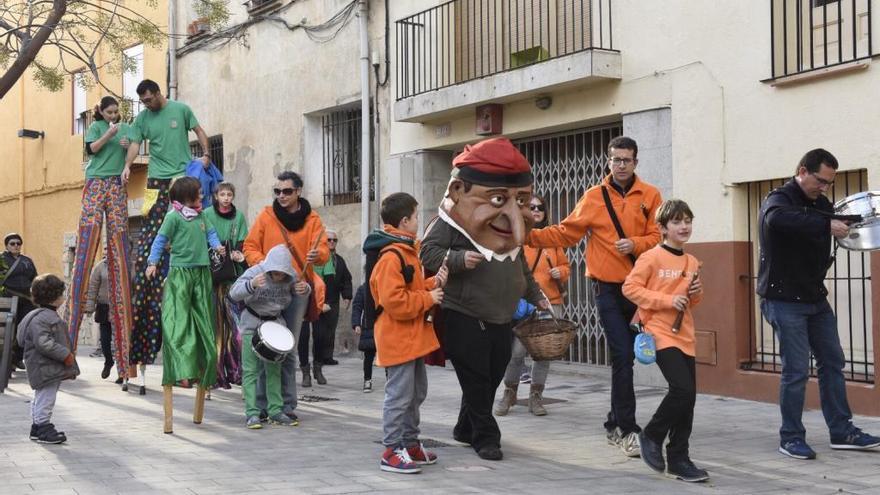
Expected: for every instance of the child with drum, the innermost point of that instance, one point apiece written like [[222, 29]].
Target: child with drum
[[266, 289], [403, 332], [665, 285]]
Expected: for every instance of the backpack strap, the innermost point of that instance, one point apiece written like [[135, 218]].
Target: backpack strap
[[615, 220], [408, 272]]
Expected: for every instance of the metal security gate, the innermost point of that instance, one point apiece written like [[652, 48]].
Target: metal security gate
[[565, 165], [849, 291]]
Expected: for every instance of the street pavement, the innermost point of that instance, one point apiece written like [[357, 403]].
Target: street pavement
[[116, 445]]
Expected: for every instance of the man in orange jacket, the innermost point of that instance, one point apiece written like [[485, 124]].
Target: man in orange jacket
[[610, 257], [288, 221]]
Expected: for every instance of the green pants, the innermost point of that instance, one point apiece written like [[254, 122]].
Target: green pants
[[251, 367], [188, 345]]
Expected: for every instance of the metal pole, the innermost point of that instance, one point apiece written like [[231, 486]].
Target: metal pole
[[365, 121]]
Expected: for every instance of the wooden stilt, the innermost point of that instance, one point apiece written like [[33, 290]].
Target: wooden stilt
[[168, 408], [143, 375], [199, 409]]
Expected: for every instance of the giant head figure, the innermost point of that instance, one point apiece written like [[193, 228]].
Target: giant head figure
[[489, 192]]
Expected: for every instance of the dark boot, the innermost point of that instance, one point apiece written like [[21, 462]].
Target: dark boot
[[307, 377], [319, 376], [507, 400], [536, 400]]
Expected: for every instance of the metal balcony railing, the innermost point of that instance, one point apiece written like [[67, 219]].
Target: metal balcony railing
[[807, 35], [463, 40]]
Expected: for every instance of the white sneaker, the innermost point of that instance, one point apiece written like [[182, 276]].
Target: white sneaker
[[629, 444], [613, 436], [368, 386]]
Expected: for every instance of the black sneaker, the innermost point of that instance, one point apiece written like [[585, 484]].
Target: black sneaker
[[293, 418], [685, 470], [48, 434], [264, 417], [652, 453], [118, 381], [490, 453], [330, 362], [35, 431], [106, 371]]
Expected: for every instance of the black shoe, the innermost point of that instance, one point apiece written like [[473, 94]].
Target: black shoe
[[35, 431], [686, 471], [292, 417], [264, 416], [331, 362], [142, 390], [125, 386], [119, 381], [460, 437], [19, 364], [48, 434], [106, 371], [490, 453], [652, 453]]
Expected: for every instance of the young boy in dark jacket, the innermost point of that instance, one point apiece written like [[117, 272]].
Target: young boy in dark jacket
[[48, 355], [364, 330]]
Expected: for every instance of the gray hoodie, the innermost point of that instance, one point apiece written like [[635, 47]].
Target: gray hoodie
[[270, 299], [43, 336]]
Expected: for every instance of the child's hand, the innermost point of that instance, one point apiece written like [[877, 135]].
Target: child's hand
[[442, 276], [237, 256], [220, 249], [258, 281], [301, 288], [696, 287], [472, 259], [357, 330], [312, 256], [555, 273], [151, 271], [544, 304], [437, 295], [680, 302], [68, 361]]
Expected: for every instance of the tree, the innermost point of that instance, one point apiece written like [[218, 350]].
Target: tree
[[58, 38]]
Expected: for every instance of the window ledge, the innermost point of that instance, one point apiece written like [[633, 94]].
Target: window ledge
[[819, 73]]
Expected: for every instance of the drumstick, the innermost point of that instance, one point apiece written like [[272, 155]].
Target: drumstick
[[562, 289], [676, 326], [314, 246]]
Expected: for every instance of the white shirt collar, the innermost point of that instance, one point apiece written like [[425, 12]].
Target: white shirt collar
[[486, 252]]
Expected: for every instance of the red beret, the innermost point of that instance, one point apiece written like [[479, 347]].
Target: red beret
[[493, 162]]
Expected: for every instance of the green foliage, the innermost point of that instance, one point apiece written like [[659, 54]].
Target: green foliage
[[215, 12]]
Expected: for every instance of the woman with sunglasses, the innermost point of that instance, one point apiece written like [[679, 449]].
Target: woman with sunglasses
[[550, 268], [290, 221], [18, 273]]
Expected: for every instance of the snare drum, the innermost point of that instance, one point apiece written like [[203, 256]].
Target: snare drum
[[272, 342], [864, 235]]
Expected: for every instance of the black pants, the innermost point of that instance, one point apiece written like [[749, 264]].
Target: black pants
[[329, 320], [479, 351], [615, 313], [368, 364], [310, 330], [102, 317], [25, 306], [675, 416]]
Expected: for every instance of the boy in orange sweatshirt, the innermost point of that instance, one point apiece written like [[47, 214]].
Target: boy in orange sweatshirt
[[403, 335], [662, 284]]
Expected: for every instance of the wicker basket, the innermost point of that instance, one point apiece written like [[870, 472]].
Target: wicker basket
[[546, 339]]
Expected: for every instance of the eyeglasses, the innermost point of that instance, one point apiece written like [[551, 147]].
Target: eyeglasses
[[821, 181], [332, 240], [14, 243], [617, 161], [536, 207], [287, 191]]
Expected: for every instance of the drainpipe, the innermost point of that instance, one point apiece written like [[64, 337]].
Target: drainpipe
[[21, 163], [172, 49], [365, 122]]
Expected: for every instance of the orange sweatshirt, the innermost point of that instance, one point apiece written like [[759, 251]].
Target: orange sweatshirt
[[402, 334], [658, 276], [636, 214], [266, 234], [550, 258]]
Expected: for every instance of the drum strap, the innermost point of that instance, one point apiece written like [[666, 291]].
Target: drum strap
[[258, 315]]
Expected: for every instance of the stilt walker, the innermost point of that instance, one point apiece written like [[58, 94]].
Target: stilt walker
[[104, 196]]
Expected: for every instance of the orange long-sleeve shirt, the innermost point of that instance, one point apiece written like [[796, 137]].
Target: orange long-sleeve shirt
[[401, 331], [550, 258], [266, 234], [635, 211], [658, 276]]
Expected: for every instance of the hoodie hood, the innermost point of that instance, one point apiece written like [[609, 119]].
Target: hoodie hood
[[378, 239], [279, 260]]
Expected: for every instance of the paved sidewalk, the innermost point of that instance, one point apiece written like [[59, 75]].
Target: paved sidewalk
[[116, 444]]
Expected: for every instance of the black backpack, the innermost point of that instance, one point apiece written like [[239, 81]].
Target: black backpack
[[371, 311]]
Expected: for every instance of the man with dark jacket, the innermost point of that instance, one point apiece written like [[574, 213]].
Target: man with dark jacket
[[795, 238], [20, 272], [338, 280]]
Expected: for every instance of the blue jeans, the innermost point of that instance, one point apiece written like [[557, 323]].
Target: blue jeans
[[615, 313], [801, 328]]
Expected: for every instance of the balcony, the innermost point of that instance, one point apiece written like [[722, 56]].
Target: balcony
[[466, 52], [814, 37]]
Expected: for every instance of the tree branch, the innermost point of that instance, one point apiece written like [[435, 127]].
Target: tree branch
[[31, 48]]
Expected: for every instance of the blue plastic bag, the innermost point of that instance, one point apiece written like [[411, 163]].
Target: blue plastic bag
[[645, 348]]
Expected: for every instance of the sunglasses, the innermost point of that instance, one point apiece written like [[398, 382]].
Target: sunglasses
[[536, 207], [332, 240], [14, 243], [287, 191]]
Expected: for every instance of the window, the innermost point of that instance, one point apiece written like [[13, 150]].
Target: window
[[215, 147], [79, 104], [341, 133]]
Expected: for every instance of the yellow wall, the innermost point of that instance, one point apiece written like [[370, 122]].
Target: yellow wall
[[53, 166]]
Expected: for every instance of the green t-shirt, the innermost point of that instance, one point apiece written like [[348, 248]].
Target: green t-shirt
[[110, 159], [223, 226], [188, 240], [168, 133]]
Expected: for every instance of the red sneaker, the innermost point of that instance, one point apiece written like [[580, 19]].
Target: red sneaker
[[398, 461], [421, 456]]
